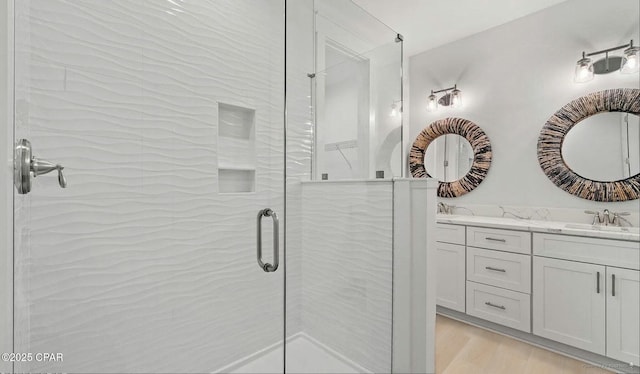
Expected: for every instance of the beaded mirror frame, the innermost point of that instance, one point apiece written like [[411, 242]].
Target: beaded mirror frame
[[556, 128], [481, 154]]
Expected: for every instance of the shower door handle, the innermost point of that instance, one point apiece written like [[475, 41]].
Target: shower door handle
[[25, 165], [267, 267]]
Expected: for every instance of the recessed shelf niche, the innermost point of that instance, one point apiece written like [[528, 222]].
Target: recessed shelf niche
[[236, 149]]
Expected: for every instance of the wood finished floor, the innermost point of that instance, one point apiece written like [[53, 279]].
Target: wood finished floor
[[466, 349]]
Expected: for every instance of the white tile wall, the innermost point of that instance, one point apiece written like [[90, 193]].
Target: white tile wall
[[140, 265], [347, 269]]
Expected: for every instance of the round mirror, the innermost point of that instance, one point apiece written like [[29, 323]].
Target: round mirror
[[604, 147], [448, 158], [465, 143]]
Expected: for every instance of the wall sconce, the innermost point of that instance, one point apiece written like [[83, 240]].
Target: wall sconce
[[453, 98], [628, 64], [396, 107]]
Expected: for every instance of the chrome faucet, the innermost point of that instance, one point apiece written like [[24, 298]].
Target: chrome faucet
[[444, 208], [608, 218], [596, 217], [617, 219]]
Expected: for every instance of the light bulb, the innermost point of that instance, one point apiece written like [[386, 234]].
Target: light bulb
[[632, 62], [456, 98], [394, 111], [584, 70], [432, 102]]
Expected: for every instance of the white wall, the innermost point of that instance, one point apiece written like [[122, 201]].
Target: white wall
[[357, 101], [513, 78], [414, 286], [345, 86], [597, 147]]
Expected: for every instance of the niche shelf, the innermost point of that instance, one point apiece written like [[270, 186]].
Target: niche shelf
[[236, 181], [236, 149]]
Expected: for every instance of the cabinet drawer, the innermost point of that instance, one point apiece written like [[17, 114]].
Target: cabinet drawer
[[454, 234], [624, 254], [501, 269], [508, 308], [503, 240]]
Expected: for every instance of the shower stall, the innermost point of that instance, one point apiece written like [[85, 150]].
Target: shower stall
[[228, 190]]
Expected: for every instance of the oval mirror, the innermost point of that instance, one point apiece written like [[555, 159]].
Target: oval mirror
[[448, 158], [604, 147], [552, 149]]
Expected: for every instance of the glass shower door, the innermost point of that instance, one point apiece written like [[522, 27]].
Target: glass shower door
[[344, 74], [167, 119]]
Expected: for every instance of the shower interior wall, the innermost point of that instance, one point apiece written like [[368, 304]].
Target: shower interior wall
[[168, 118]]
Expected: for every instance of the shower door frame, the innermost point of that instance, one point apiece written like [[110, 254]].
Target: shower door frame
[[6, 187]]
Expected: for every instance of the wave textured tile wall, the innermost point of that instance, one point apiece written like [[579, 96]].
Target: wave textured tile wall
[[140, 265], [347, 268]]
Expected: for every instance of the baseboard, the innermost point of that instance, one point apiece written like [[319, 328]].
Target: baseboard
[[550, 345]]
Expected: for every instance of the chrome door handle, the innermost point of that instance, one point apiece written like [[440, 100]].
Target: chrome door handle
[[496, 240], [495, 269], [495, 306], [267, 267], [613, 284], [25, 164]]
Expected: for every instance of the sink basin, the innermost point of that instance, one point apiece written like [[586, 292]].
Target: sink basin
[[584, 226]]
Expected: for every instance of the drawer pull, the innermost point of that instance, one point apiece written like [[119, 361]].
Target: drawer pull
[[597, 282], [495, 269], [495, 306], [496, 240]]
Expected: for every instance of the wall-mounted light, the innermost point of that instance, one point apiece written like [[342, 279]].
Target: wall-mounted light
[[632, 54], [396, 108], [627, 64], [453, 98]]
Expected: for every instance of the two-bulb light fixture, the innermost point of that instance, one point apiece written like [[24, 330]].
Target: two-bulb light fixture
[[452, 99], [627, 64]]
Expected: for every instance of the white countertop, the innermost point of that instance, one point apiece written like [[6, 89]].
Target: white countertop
[[566, 228]]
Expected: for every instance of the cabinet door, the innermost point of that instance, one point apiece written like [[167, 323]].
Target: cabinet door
[[569, 303], [623, 314], [450, 275]]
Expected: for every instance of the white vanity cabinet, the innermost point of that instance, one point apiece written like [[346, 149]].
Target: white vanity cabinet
[[578, 288], [485, 273], [623, 314], [499, 276], [450, 268], [583, 298]]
